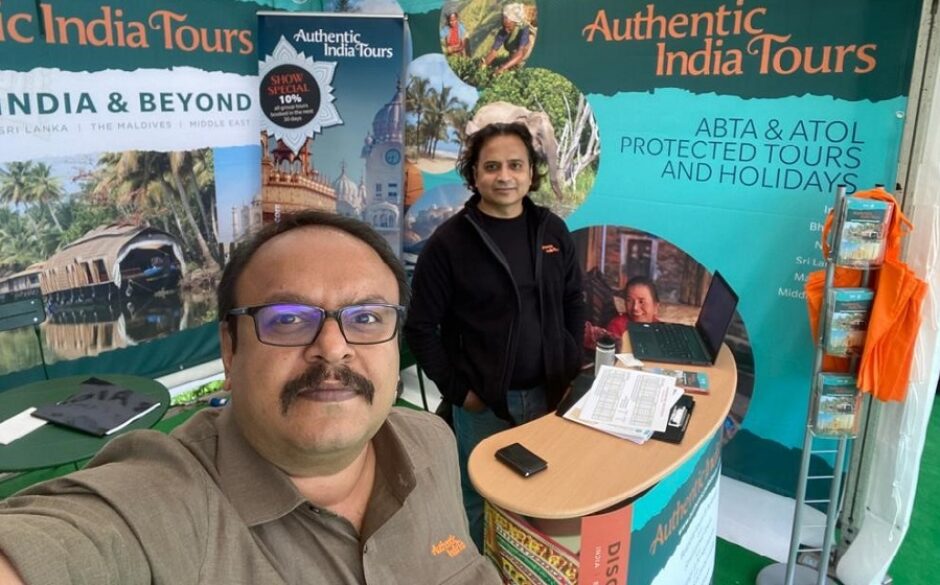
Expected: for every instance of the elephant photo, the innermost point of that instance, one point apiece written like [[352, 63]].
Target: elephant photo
[[543, 134]]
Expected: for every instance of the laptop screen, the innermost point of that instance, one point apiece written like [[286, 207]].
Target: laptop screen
[[716, 313]]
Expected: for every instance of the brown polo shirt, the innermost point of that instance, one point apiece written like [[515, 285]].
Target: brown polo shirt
[[201, 506]]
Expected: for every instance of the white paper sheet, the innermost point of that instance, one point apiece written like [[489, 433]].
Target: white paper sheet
[[629, 360], [630, 400], [638, 436], [18, 426]]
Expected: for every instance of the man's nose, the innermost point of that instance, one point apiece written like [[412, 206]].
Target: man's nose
[[330, 345]]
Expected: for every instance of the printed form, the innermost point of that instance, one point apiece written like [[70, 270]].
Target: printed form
[[628, 401]]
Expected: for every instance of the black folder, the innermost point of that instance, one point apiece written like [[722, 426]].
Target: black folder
[[99, 408], [679, 418]]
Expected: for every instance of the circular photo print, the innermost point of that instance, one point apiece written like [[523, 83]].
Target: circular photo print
[[631, 276], [483, 39], [438, 111], [443, 111], [563, 128]]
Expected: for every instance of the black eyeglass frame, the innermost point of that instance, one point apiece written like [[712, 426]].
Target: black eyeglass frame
[[253, 310]]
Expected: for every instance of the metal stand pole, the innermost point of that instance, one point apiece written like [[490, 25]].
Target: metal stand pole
[[832, 511], [792, 573]]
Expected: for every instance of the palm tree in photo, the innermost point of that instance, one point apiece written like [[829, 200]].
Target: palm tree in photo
[[120, 178], [14, 183], [45, 189], [168, 170], [441, 104], [458, 118], [203, 179], [416, 101], [123, 179], [183, 167], [151, 179], [17, 243], [45, 238]]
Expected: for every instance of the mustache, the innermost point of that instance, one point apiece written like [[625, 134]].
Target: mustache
[[319, 372]]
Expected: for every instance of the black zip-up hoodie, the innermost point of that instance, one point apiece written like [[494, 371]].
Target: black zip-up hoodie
[[463, 319]]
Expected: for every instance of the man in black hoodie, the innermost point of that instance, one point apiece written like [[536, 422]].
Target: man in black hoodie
[[497, 313]]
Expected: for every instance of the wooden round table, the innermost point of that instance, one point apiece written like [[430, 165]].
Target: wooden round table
[[589, 470]]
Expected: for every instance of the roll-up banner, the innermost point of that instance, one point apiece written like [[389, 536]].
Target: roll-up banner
[[333, 118]]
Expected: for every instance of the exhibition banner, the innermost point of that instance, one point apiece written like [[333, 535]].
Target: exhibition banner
[[333, 118], [680, 138], [124, 131]]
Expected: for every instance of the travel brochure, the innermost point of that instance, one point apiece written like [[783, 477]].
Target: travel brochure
[[630, 404], [847, 320], [837, 405], [688, 380], [865, 223]]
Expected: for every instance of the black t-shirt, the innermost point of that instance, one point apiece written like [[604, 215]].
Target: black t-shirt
[[512, 239]]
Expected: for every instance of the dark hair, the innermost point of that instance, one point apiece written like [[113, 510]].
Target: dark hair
[[246, 250], [642, 281], [471, 153]]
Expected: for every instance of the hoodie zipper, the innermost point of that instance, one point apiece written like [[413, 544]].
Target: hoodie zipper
[[537, 248], [511, 352]]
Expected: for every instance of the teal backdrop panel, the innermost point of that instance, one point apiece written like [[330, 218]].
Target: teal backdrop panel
[[742, 185], [724, 130]]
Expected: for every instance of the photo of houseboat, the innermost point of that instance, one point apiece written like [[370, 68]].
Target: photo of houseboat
[[23, 283], [112, 262]]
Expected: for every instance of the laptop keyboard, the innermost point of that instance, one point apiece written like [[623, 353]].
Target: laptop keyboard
[[672, 341]]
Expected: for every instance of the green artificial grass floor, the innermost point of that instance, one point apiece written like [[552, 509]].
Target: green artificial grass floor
[[735, 565]]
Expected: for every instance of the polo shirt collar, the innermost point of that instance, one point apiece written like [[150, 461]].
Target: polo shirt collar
[[394, 460], [262, 492]]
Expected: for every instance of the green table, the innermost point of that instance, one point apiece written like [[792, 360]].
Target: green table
[[52, 445]]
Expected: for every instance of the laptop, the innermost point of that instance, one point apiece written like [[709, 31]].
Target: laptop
[[681, 344]]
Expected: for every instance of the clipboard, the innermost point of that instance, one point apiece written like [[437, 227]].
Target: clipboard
[[579, 387]]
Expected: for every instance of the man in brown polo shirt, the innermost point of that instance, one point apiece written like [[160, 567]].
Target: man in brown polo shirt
[[308, 476]]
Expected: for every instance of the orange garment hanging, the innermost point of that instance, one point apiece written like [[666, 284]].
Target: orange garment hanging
[[885, 365]]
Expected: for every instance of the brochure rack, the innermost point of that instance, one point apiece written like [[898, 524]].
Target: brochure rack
[[832, 449]]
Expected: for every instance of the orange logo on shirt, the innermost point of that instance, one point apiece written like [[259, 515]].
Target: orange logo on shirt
[[452, 545], [550, 249]]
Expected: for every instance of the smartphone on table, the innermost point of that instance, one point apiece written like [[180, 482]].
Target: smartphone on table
[[521, 460]]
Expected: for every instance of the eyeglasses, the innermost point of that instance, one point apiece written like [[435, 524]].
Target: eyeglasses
[[292, 325]]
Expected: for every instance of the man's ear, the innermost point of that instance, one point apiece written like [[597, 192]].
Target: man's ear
[[227, 343]]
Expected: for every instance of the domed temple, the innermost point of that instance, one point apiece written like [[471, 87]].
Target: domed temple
[[384, 175]]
